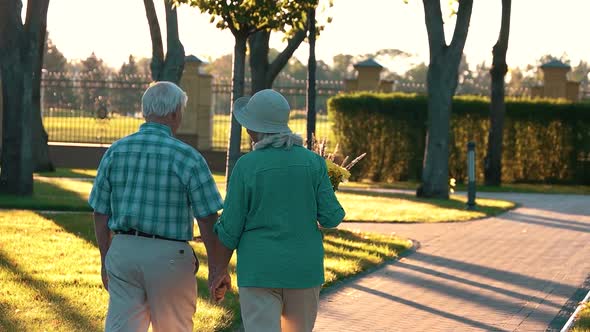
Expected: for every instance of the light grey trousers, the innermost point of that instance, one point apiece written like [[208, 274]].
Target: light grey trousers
[[279, 309], [150, 281]]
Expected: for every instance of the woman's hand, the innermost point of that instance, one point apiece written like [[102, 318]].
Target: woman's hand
[[220, 284]]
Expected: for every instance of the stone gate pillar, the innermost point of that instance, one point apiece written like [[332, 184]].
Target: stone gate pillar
[[197, 123]]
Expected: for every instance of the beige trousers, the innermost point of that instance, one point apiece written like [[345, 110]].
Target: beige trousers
[[279, 309], [150, 281]]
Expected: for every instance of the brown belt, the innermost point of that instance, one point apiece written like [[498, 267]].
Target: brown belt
[[140, 233]]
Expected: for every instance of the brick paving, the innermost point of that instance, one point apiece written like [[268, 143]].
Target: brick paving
[[513, 272]]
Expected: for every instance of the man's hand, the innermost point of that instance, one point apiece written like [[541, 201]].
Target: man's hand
[[105, 277], [219, 286], [218, 258]]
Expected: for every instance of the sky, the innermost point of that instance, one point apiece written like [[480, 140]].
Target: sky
[[113, 29]]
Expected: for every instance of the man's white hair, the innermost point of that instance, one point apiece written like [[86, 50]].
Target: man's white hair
[[163, 98]]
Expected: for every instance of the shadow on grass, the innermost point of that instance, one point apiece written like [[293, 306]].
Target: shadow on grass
[[365, 254], [47, 196], [8, 323], [360, 238], [59, 303]]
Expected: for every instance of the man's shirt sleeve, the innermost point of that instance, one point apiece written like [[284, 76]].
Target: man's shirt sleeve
[[204, 196]]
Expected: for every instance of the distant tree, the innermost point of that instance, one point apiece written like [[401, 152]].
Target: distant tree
[[481, 75], [169, 67], [128, 100], [465, 75], [95, 95], [531, 75], [343, 65], [220, 67], [296, 69], [442, 82], [94, 66], [57, 95], [580, 73], [493, 160], [417, 74], [516, 79], [325, 72], [53, 59], [130, 67], [143, 66], [24, 141], [550, 57]]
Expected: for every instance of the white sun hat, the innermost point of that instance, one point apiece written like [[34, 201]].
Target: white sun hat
[[267, 111]]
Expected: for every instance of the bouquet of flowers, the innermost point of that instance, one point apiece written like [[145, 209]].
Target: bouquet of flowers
[[338, 173]]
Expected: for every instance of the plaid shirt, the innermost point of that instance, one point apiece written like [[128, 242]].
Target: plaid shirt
[[154, 183]]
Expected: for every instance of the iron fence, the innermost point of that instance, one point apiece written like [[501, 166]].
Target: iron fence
[[90, 108], [295, 91]]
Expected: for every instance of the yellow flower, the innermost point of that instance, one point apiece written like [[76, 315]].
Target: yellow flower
[[337, 172]]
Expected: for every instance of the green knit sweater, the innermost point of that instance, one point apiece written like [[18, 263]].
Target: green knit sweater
[[275, 200]]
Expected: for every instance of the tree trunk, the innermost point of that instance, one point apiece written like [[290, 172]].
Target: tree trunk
[[259, 65], [442, 82], [16, 175], [171, 66], [435, 172], [311, 80], [239, 68], [157, 61], [37, 32], [493, 160], [41, 158], [174, 63], [263, 72], [17, 57]]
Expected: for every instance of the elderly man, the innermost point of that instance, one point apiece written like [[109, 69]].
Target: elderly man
[[148, 188]]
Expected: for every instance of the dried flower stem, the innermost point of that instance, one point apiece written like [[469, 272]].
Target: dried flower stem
[[355, 161]]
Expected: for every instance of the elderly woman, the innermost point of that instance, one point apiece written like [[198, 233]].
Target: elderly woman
[[276, 197]]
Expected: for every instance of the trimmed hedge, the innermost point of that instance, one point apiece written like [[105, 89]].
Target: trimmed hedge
[[544, 140]]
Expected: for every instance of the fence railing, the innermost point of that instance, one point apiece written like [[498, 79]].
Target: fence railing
[[94, 108], [295, 92], [90, 108]]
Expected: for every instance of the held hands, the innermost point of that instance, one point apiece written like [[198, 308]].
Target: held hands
[[219, 284]]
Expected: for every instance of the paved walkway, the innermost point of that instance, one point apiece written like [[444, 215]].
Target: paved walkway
[[514, 272]]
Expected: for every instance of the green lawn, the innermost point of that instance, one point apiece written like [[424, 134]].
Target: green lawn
[[583, 320], [71, 194], [510, 187], [69, 173], [89, 129], [408, 208], [50, 272], [93, 130]]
